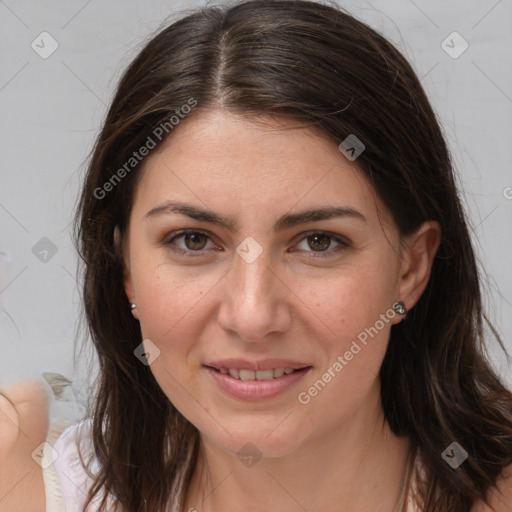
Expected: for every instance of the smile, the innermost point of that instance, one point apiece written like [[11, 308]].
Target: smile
[[242, 374], [253, 385]]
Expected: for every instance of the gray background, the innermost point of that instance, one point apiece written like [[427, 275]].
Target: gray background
[[52, 108]]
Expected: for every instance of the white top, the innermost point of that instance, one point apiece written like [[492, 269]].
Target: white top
[[65, 479]]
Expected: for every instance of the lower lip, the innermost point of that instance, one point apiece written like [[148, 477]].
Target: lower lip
[[256, 389]]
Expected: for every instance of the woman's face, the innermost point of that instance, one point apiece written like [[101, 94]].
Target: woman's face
[[269, 283]]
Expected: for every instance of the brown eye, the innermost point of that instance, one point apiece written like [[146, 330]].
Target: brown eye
[[192, 241], [195, 241], [319, 241]]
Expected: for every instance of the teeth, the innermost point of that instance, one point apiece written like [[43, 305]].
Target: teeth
[[234, 373], [264, 374], [256, 375], [247, 374]]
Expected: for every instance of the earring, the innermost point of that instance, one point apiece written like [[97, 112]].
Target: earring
[[133, 306], [399, 307]]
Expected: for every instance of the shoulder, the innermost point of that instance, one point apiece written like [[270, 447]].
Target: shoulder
[[500, 497], [73, 448], [74, 463], [23, 428], [24, 408], [75, 434]]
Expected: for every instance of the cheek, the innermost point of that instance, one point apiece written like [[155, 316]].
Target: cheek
[[353, 314], [346, 303], [171, 306], [167, 312], [168, 297], [359, 317]]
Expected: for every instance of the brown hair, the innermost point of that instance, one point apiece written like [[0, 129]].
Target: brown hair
[[317, 65]]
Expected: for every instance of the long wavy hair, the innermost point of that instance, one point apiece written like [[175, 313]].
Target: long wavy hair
[[315, 64]]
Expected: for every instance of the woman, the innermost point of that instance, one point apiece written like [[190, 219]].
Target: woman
[[280, 282]]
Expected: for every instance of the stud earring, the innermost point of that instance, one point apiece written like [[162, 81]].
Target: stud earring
[[133, 306], [399, 307]]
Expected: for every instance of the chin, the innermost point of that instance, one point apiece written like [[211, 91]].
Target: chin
[[266, 441]]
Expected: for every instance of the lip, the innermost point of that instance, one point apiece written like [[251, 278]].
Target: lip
[[252, 390], [266, 364]]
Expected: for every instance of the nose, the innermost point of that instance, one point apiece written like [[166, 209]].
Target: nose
[[255, 300]]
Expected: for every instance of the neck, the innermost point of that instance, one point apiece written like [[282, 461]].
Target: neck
[[355, 466]]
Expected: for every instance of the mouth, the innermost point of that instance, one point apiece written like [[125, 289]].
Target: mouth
[[251, 375], [249, 384]]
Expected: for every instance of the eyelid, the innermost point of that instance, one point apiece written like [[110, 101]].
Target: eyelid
[[342, 241], [182, 232]]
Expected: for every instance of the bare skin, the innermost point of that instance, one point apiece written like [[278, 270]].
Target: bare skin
[[336, 452], [23, 427]]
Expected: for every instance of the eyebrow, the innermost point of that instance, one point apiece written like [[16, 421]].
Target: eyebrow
[[285, 221]]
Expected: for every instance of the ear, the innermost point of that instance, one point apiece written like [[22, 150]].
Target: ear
[[127, 280], [417, 259]]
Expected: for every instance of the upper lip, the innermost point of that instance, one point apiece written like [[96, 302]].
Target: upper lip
[[266, 364]]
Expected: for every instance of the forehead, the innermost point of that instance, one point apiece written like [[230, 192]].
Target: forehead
[[231, 163]]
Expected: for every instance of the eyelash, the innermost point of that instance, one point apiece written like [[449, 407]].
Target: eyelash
[[315, 254]]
